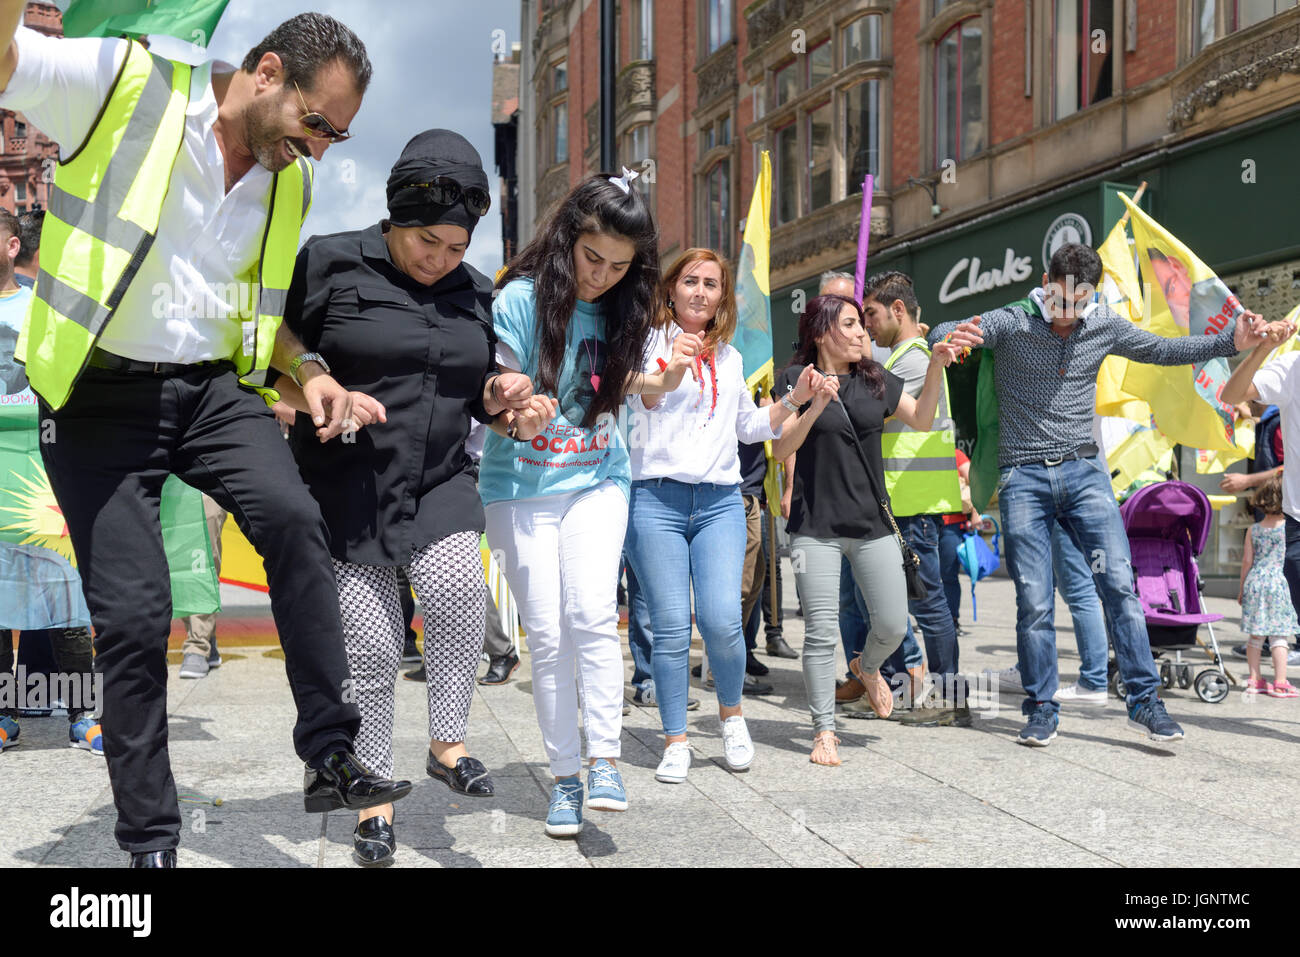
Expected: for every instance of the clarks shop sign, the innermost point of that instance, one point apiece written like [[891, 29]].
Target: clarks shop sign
[[970, 276]]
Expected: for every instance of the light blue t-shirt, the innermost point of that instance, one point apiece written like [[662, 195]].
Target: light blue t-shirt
[[566, 457]]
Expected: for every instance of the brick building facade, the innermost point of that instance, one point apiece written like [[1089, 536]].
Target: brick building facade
[[28, 157]]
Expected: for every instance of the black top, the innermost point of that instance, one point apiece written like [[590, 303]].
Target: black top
[[832, 498], [424, 352], [753, 468]]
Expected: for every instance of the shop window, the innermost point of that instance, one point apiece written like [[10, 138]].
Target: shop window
[[958, 92], [819, 156], [861, 134], [786, 174], [862, 40], [785, 83], [717, 24], [1218, 18], [1083, 53], [717, 208], [560, 124], [820, 66], [643, 29]]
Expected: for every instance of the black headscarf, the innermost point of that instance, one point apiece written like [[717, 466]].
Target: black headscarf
[[430, 154]]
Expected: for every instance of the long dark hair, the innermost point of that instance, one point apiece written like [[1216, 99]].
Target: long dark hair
[[594, 206], [822, 315]]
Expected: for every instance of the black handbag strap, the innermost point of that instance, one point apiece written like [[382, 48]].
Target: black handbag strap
[[876, 490]]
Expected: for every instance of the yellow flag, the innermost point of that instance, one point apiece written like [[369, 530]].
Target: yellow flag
[[1122, 292], [1184, 297]]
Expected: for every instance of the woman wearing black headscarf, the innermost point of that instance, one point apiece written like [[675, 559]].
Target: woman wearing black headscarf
[[398, 317]]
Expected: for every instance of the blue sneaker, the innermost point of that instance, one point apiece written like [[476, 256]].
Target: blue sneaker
[[564, 819], [85, 733], [8, 732], [605, 787], [1151, 718], [1040, 729]]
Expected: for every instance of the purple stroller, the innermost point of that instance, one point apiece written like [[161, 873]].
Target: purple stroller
[[1167, 525]]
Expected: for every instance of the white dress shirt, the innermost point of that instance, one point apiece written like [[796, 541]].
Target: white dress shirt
[[678, 439], [183, 304]]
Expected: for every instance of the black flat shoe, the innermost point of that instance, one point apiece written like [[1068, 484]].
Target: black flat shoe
[[500, 669], [469, 776], [753, 666], [344, 782], [373, 842], [153, 859], [416, 674]]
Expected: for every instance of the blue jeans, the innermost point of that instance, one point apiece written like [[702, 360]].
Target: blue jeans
[[1077, 494], [639, 637], [932, 614], [680, 535], [855, 622], [1074, 581], [950, 538]]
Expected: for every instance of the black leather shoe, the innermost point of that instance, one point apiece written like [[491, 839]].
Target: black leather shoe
[[754, 686], [469, 776], [373, 842], [500, 669], [344, 782], [153, 859], [753, 666], [416, 674], [696, 671], [777, 648]]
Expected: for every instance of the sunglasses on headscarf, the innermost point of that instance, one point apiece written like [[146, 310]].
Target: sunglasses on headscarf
[[445, 191]]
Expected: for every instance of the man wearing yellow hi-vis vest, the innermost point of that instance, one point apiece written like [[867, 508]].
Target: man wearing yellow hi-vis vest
[[922, 482], [166, 255]]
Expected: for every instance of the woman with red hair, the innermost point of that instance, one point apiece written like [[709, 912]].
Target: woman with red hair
[[686, 521]]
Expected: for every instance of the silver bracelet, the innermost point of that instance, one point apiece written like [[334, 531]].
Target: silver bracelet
[[789, 402]]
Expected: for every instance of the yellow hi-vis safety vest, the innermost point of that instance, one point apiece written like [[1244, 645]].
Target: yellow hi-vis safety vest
[[102, 218], [921, 467]]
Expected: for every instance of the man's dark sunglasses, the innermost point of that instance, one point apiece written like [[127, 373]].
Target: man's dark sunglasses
[[316, 125], [445, 191]]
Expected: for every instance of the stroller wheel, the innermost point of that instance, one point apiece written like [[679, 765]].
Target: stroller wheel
[[1184, 676], [1166, 674], [1120, 688], [1211, 687]]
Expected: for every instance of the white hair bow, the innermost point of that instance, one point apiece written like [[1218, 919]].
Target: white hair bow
[[624, 182]]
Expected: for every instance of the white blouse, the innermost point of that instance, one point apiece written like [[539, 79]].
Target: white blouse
[[686, 437]]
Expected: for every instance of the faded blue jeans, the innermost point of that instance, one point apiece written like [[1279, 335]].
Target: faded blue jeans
[[1074, 581], [679, 535], [1076, 493]]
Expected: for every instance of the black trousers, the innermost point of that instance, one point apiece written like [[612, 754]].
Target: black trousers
[[108, 453]]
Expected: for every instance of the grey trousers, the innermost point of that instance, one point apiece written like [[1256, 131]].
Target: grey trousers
[[495, 640], [878, 571]]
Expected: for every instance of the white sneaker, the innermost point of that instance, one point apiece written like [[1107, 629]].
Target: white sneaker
[[1076, 694], [1008, 678], [676, 761], [737, 747]]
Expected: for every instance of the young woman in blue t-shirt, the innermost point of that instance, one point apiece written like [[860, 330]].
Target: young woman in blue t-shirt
[[573, 313]]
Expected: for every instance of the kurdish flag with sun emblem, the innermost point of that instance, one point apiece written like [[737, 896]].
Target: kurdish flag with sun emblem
[[30, 515]]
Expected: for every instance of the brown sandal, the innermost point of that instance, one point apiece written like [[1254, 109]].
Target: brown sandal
[[825, 745], [879, 695]]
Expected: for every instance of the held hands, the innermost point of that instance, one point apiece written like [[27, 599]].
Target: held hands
[[946, 353], [513, 390], [827, 391], [809, 384], [330, 405], [967, 335], [367, 410], [533, 418], [1251, 331]]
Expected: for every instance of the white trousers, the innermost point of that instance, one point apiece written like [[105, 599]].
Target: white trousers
[[561, 558]]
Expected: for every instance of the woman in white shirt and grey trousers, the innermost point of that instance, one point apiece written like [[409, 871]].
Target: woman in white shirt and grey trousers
[[686, 521]]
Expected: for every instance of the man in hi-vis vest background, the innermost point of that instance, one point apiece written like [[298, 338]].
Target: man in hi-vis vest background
[[177, 187], [921, 479]]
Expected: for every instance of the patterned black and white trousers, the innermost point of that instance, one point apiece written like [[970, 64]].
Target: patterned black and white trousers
[[447, 576]]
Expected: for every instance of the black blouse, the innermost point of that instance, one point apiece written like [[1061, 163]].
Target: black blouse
[[424, 352], [832, 495]]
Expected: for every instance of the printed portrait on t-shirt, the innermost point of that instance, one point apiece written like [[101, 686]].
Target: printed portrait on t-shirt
[[578, 388]]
